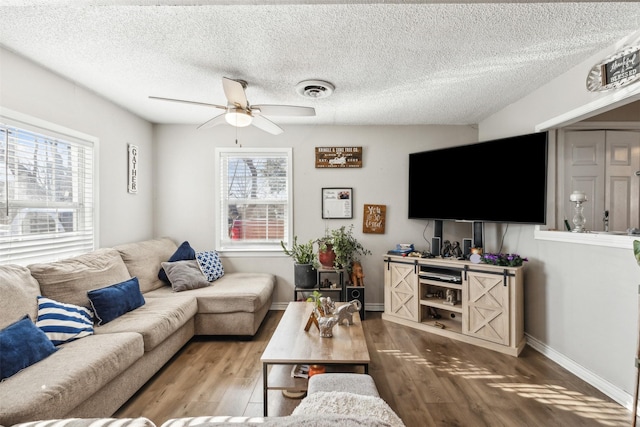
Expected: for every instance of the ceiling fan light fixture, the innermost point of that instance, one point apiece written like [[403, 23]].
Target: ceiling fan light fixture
[[238, 117]]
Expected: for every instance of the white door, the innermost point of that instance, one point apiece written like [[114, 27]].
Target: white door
[[603, 164]]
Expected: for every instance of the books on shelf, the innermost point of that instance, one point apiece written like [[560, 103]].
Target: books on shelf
[[300, 371]]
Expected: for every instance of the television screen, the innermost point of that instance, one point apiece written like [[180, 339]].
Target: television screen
[[503, 180]]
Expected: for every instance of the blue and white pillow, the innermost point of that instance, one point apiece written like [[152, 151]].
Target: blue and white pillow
[[210, 264], [63, 322]]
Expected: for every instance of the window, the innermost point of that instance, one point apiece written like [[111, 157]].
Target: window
[[253, 200], [46, 195]]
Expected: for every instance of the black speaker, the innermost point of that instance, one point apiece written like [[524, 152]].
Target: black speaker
[[478, 234], [466, 247], [435, 246], [356, 292]]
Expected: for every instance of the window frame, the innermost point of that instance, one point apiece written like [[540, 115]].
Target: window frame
[[221, 221], [54, 131]]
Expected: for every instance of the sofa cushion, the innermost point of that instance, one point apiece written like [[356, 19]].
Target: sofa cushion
[[155, 321], [63, 322], [90, 422], [143, 260], [18, 294], [185, 275], [210, 264], [113, 301], [231, 293], [21, 345], [183, 253], [70, 279], [59, 383]]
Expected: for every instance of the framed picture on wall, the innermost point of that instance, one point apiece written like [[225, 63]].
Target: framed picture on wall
[[337, 203]]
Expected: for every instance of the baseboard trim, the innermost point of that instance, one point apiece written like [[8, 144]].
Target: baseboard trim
[[614, 392]]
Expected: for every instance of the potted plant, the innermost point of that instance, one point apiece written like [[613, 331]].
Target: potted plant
[[304, 259], [345, 247]]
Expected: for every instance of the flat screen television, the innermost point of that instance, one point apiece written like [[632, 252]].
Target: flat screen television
[[502, 180]]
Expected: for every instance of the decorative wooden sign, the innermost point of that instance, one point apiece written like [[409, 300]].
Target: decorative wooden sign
[[616, 71], [132, 186], [374, 218], [338, 157]]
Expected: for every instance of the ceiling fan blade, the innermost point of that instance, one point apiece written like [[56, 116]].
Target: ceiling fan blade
[[284, 110], [217, 120], [266, 125], [188, 102], [234, 90]]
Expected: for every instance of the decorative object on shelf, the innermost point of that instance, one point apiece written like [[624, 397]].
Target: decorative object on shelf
[[373, 220], [578, 197], [507, 260], [445, 252], [346, 247], [326, 254], [357, 274], [337, 203], [476, 255], [338, 157], [304, 258], [456, 251], [345, 312], [316, 369], [451, 298]]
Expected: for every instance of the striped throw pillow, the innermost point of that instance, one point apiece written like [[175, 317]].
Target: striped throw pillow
[[63, 322]]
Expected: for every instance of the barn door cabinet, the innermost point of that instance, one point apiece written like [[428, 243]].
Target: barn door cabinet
[[479, 304]]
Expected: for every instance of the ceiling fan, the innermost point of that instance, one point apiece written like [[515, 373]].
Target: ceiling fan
[[239, 113]]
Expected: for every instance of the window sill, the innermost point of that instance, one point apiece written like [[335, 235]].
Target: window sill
[[595, 239], [251, 253]]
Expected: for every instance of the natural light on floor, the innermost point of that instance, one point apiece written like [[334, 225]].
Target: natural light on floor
[[604, 412]]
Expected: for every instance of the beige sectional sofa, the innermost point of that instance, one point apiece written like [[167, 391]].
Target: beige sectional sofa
[[93, 376]]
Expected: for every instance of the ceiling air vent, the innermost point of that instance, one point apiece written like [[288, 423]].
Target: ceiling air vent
[[314, 89]]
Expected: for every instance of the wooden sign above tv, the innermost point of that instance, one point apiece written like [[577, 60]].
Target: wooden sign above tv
[[338, 157], [616, 71]]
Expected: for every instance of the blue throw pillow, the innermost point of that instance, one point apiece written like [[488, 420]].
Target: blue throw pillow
[[183, 253], [115, 300], [63, 322], [21, 345], [210, 265]]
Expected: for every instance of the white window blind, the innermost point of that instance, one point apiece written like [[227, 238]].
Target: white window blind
[[253, 198], [46, 196]]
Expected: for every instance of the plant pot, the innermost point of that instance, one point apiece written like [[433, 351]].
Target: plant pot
[[305, 276], [327, 257]]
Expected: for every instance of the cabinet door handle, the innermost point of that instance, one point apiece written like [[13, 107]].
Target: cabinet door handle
[[504, 277]]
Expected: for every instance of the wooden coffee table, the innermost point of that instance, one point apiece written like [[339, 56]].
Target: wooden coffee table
[[291, 345]]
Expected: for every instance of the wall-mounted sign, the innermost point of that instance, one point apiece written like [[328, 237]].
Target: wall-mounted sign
[[132, 186], [374, 218], [338, 157], [618, 70]]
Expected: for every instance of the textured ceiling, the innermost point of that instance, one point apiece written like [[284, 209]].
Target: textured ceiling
[[391, 62]]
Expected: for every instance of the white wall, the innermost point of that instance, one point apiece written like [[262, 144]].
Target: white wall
[[30, 89], [581, 301], [186, 183]]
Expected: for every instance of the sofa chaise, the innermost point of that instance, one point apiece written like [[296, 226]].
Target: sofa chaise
[[94, 375]]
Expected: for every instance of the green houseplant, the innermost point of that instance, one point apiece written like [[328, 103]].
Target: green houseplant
[[344, 245], [304, 259]]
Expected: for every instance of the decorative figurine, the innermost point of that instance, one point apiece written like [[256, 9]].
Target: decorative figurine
[[326, 324], [345, 312], [450, 297], [455, 250], [357, 275], [446, 249], [327, 306]]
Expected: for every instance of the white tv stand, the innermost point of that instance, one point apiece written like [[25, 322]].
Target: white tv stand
[[486, 309]]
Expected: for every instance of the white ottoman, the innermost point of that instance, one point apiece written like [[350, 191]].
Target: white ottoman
[[353, 383]]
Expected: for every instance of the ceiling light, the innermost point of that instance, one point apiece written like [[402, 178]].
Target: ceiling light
[[237, 117], [314, 89]]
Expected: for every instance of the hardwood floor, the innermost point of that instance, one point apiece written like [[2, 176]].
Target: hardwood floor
[[428, 380]]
